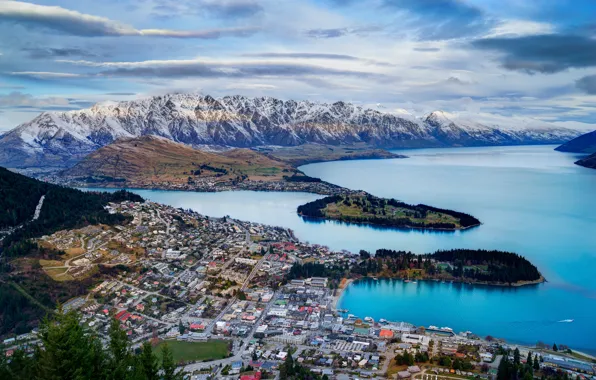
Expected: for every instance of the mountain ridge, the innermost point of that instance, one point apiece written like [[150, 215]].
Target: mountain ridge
[[585, 143], [61, 139]]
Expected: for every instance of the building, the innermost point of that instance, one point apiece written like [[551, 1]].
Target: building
[[320, 282]]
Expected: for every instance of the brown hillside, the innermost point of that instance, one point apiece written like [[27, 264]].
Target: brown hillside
[[154, 159]]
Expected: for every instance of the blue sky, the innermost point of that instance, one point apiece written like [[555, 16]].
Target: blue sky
[[497, 60]]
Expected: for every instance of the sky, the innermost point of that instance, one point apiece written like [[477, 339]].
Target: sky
[[485, 59]]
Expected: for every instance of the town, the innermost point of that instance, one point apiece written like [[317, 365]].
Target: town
[[217, 291]]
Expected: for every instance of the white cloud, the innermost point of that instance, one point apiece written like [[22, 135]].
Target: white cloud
[[45, 74], [517, 28]]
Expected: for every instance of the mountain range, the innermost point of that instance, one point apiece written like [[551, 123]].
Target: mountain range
[[583, 144], [61, 139]]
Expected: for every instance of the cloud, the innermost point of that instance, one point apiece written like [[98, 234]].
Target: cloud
[[587, 84], [45, 74], [340, 32], [442, 19], [427, 49], [208, 69], [232, 8], [11, 86], [18, 99], [323, 56], [304, 56], [79, 24], [457, 81], [223, 9], [44, 53], [548, 53]]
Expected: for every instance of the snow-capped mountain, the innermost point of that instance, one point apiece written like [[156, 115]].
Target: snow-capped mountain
[[63, 138]]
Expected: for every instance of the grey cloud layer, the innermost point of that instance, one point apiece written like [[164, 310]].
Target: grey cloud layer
[[550, 53], [587, 84], [196, 68], [84, 25]]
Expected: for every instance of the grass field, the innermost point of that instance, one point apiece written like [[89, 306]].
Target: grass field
[[59, 274], [338, 210], [196, 351]]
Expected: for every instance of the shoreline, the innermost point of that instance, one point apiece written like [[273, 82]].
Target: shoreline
[[340, 291], [385, 226]]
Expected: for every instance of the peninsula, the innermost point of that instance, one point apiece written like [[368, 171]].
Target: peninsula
[[363, 208], [474, 266]]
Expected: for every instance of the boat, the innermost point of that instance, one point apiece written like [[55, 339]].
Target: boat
[[382, 320], [414, 282], [431, 327], [449, 329], [368, 319], [376, 279], [406, 280], [566, 321]]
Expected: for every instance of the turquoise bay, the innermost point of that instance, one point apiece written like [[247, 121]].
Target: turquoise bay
[[531, 200]]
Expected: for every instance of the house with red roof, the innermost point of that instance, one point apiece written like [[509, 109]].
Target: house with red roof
[[255, 376]]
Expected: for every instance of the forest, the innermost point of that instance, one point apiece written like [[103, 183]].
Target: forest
[[63, 208], [73, 351], [463, 265], [368, 209]]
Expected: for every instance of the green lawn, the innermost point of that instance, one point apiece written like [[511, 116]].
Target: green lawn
[[193, 351]]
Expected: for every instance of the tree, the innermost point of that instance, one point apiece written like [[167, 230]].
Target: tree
[[536, 363], [119, 356], [516, 357], [529, 360], [168, 365], [148, 362], [555, 348], [70, 350], [181, 327]]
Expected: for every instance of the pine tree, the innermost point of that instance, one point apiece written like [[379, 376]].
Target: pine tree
[[70, 351], [555, 348], [120, 359], [536, 363], [529, 360], [516, 357], [148, 362]]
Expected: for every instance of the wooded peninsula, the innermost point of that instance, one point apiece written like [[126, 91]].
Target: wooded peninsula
[[363, 208], [461, 265]]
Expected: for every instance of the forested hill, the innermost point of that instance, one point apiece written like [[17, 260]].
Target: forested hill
[[362, 208], [62, 208], [476, 265]]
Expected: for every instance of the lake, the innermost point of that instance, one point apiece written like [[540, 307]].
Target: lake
[[531, 200]]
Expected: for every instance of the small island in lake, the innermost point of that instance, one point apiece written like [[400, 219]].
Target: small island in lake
[[459, 265], [363, 208]]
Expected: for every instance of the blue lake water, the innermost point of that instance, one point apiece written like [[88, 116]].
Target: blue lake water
[[531, 200]]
